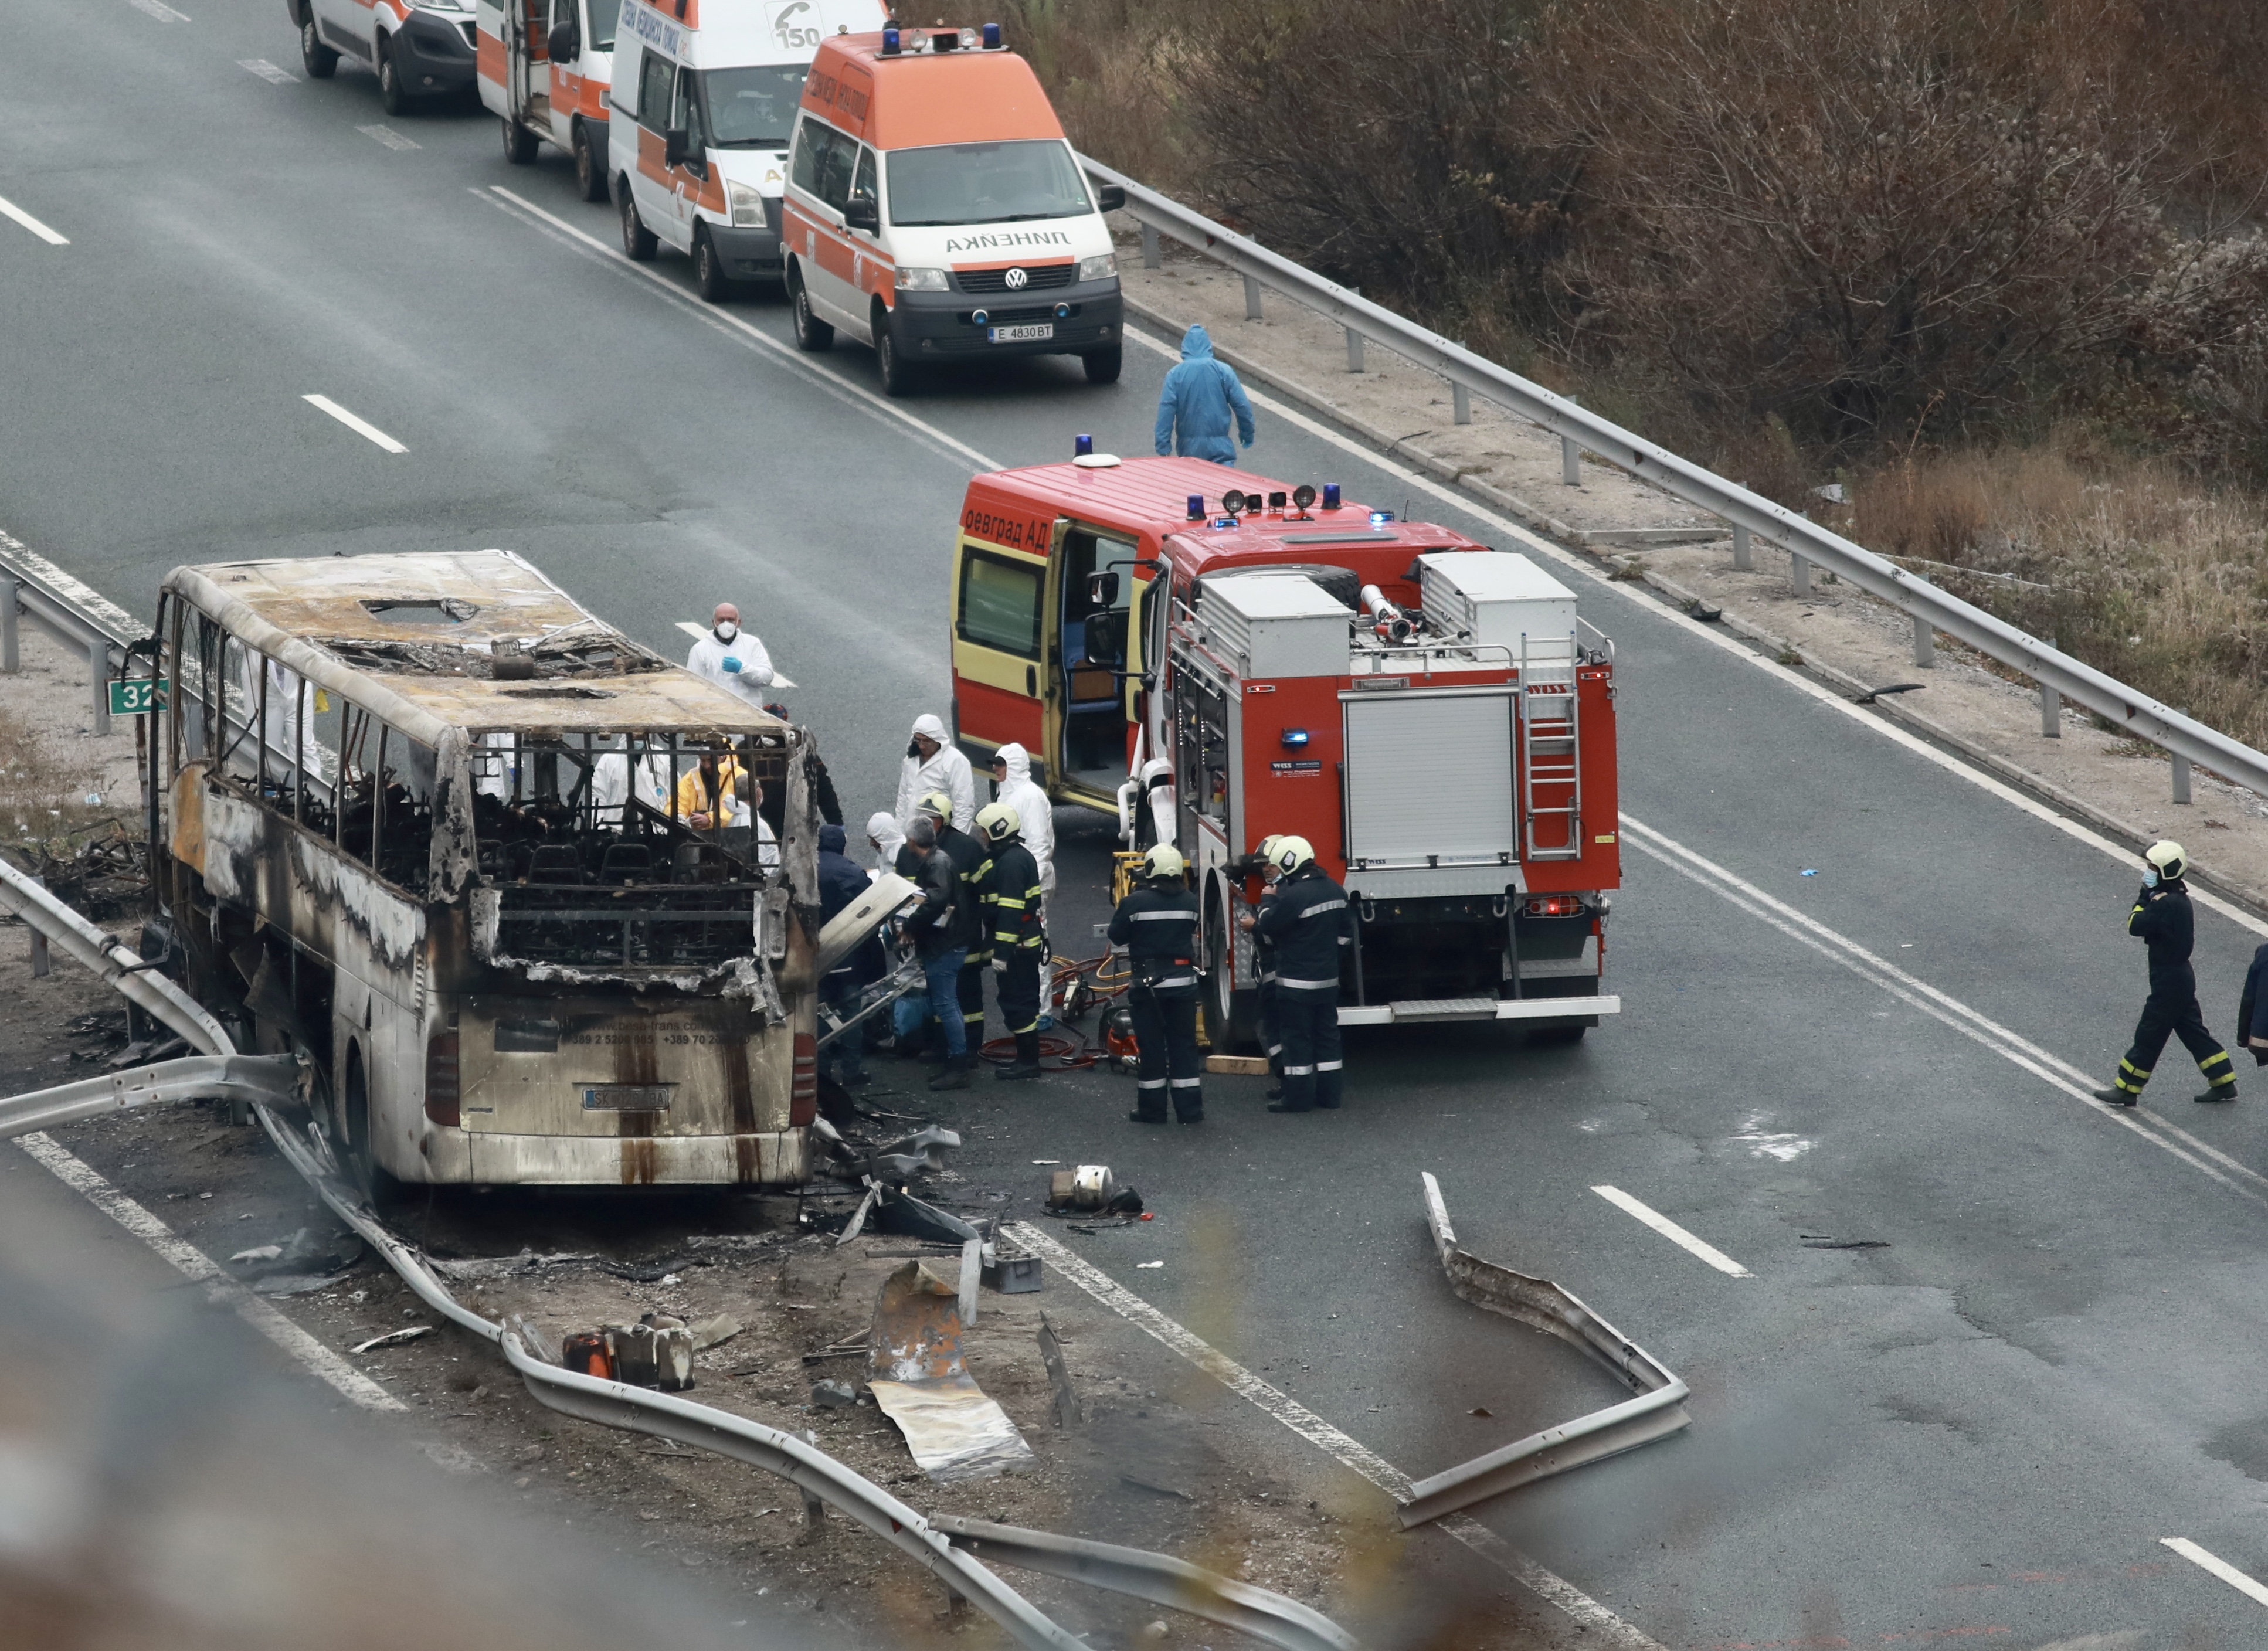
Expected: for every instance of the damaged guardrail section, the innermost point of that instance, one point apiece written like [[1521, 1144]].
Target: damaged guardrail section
[[1543, 1305]]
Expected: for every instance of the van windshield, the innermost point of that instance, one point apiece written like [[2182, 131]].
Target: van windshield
[[985, 183], [753, 108], [604, 15]]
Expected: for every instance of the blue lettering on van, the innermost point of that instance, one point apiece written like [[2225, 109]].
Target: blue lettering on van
[[651, 28]]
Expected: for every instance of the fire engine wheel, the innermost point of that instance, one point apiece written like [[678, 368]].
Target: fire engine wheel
[[638, 241], [393, 95], [321, 61], [1102, 365], [898, 372], [1231, 1017], [518, 142], [589, 176], [709, 270], [811, 334]]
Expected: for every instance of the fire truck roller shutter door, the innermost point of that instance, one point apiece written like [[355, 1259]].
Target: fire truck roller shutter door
[[1430, 775]]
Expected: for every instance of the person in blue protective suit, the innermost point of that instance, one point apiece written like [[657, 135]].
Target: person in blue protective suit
[[1195, 408]]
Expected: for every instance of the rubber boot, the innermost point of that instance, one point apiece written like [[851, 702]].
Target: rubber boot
[[955, 1075], [1139, 1117], [2116, 1097], [2219, 1092], [1027, 1059]]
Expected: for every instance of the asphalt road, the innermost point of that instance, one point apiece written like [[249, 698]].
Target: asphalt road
[[1982, 1427]]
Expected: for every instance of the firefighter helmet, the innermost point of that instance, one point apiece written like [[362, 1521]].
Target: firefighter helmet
[[1165, 860], [1290, 853], [935, 802], [2168, 862], [996, 822]]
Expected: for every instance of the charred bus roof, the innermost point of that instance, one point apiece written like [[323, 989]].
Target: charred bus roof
[[472, 640]]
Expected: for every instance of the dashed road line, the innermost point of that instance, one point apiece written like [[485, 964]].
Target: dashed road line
[[388, 136], [360, 426], [2214, 1565], [193, 1264], [267, 72], [1348, 1451], [9, 208], [1672, 1232], [159, 9]]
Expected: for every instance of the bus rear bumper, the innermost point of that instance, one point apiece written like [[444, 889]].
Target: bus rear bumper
[[477, 1157]]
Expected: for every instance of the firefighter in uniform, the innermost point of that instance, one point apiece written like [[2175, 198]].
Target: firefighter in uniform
[[1012, 906], [969, 863], [1157, 924], [1308, 922], [2162, 918]]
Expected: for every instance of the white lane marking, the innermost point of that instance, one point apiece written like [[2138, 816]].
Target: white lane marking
[[696, 630], [388, 136], [2218, 1567], [193, 1264], [267, 72], [159, 9], [1943, 1007], [1342, 1448], [1715, 636], [361, 427], [69, 587], [867, 400], [9, 208], [1672, 1232]]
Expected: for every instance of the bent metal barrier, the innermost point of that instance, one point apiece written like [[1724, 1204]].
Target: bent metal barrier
[[1658, 1410], [2189, 740], [219, 1071]]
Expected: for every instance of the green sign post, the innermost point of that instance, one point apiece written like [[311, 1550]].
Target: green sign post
[[137, 696]]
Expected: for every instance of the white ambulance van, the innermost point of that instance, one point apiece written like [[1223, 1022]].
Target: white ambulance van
[[418, 49], [936, 212], [544, 68], [705, 104]]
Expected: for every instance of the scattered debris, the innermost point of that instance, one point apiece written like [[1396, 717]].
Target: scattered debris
[[908, 1217], [657, 1352], [1874, 694], [261, 1252], [834, 1395], [1092, 1187], [1068, 1412], [1821, 1240], [1011, 1271], [1701, 610], [474, 1268], [393, 1339], [1146, 1481], [1480, 1410], [711, 1332], [914, 1368]]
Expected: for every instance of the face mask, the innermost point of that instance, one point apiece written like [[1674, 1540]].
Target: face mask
[[728, 630], [913, 750], [2150, 878]]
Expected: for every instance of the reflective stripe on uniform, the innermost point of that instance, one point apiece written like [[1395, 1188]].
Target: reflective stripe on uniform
[[1319, 906], [1161, 916], [1187, 1083], [1149, 1083], [1308, 985], [1173, 980], [1298, 1071], [1330, 1066]]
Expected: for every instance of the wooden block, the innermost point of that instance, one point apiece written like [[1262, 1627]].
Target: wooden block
[[1242, 1066]]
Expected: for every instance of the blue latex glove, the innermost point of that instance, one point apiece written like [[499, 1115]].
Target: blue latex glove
[[733, 665]]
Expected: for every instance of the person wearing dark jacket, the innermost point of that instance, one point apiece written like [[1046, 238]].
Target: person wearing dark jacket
[[1157, 924], [1308, 922], [2252, 1009], [2162, 919], [1011, 903], [970, 860], [842, 881], [942, 927]]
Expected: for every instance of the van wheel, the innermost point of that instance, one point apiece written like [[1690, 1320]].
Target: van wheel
[[709, 268], [811, 333], [637, 240], [897, 372], [518, 142], [589, 176], [321, 61], [1102, 365], [393, 96]]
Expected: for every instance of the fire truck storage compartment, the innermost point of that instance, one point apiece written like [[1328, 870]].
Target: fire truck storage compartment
[[1274, 623], [1430, 783], [1493, 599]]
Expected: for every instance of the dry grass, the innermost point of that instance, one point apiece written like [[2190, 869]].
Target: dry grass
[[42, 795], [2149, 576]]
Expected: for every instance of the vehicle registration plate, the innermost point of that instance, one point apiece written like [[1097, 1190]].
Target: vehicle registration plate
[[627, 1097], [1022, 335]]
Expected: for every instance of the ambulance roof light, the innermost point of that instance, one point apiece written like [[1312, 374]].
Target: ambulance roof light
[[1331, 495], [991, 37], [1197, 508], [890, 42], [1379, 518], [1081, 446]]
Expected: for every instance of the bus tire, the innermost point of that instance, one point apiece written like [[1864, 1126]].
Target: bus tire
[[589, 176], [321, 62], [707, 268], [393, 91], [638, 241], [357, 1159], [1103, 365], [518, 142], [812, 334], [890, 359]]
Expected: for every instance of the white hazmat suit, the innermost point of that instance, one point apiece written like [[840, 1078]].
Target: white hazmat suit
[[1036, 814], [738, 662], [947, 771]]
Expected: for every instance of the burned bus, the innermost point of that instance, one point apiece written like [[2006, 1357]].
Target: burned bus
[[536, 904]]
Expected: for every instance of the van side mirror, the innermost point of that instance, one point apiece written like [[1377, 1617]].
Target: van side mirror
[[676, 147], [1106, 638], [1102, 590], [1110, 197], [862, 213], [565, 48]]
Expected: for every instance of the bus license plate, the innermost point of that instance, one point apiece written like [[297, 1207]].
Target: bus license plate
[[1031, 334], [627, 1097]]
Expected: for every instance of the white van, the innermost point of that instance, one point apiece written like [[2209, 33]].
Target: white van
[[418, 49], [707, 96], [545, 66], [936, 212]]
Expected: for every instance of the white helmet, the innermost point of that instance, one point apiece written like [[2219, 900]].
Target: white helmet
[[2167, 861], [1289, 853], [996, 822], [1165, 860]]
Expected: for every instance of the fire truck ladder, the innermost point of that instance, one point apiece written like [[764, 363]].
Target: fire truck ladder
[[1550, 752]]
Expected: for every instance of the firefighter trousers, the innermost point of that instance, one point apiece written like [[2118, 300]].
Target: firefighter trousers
[[970, 990], [2173, 1017], [1309, 1024], [1271, 1031], [1166, 1044], [1018, 989]]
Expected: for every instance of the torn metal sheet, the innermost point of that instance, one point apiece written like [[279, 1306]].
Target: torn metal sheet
[[914, 1366], [1543, 1305]]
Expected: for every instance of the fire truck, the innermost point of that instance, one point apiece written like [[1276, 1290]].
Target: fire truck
[[1219, 658]]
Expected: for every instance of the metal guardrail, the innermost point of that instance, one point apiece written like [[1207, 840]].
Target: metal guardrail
[[1931, 608], [255, 1079], [33, 587]]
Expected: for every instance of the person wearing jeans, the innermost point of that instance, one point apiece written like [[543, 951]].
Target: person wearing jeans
[[942, 927]]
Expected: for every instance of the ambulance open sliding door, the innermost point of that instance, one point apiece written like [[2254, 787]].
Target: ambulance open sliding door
[[528, 53], [1086, 711], [998, 661]]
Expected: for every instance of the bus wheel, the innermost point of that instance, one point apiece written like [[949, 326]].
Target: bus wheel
[[354, 1121], [709, 268], [637, 240], [811, 334], [518, 142], [1102, 365], [589, 176], [321, 61]]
